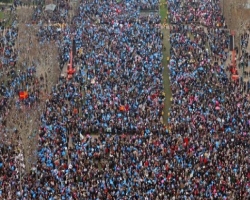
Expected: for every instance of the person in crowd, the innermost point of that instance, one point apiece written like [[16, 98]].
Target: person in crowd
[[117, 93]]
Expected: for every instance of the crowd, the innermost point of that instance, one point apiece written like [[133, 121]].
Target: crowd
[[15, 77], [209, 110], [147, 5], [243, 61], [207, 13], [117, 92], [59, 14]]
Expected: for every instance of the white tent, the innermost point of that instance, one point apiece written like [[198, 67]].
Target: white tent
[[247, 4], [50, 7]]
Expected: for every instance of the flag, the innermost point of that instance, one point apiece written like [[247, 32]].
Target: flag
[[23, 95]]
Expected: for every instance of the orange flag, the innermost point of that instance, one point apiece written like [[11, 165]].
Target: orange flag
[[23, 95]]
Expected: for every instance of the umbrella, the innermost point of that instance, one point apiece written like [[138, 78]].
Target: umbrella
[[122, 108], [50, 7], [217, 108]]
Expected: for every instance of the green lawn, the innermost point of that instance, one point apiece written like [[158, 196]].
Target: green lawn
[[165, 61], [1, 15], [163, 10], [6, 1], [6, 4]]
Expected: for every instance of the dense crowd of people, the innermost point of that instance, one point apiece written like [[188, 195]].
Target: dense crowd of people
[[117, 93], [243, 61]]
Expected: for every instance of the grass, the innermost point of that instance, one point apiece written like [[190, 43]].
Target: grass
[[163, 10], [191, 36], [1, 15], [9, 19], [165, 62], [6, 15], [5, 1]]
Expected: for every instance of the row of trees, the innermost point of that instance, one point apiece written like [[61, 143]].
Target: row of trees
[[24, 122]]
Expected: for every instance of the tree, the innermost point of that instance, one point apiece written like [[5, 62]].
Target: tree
[[42, 55], [24, 122]]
